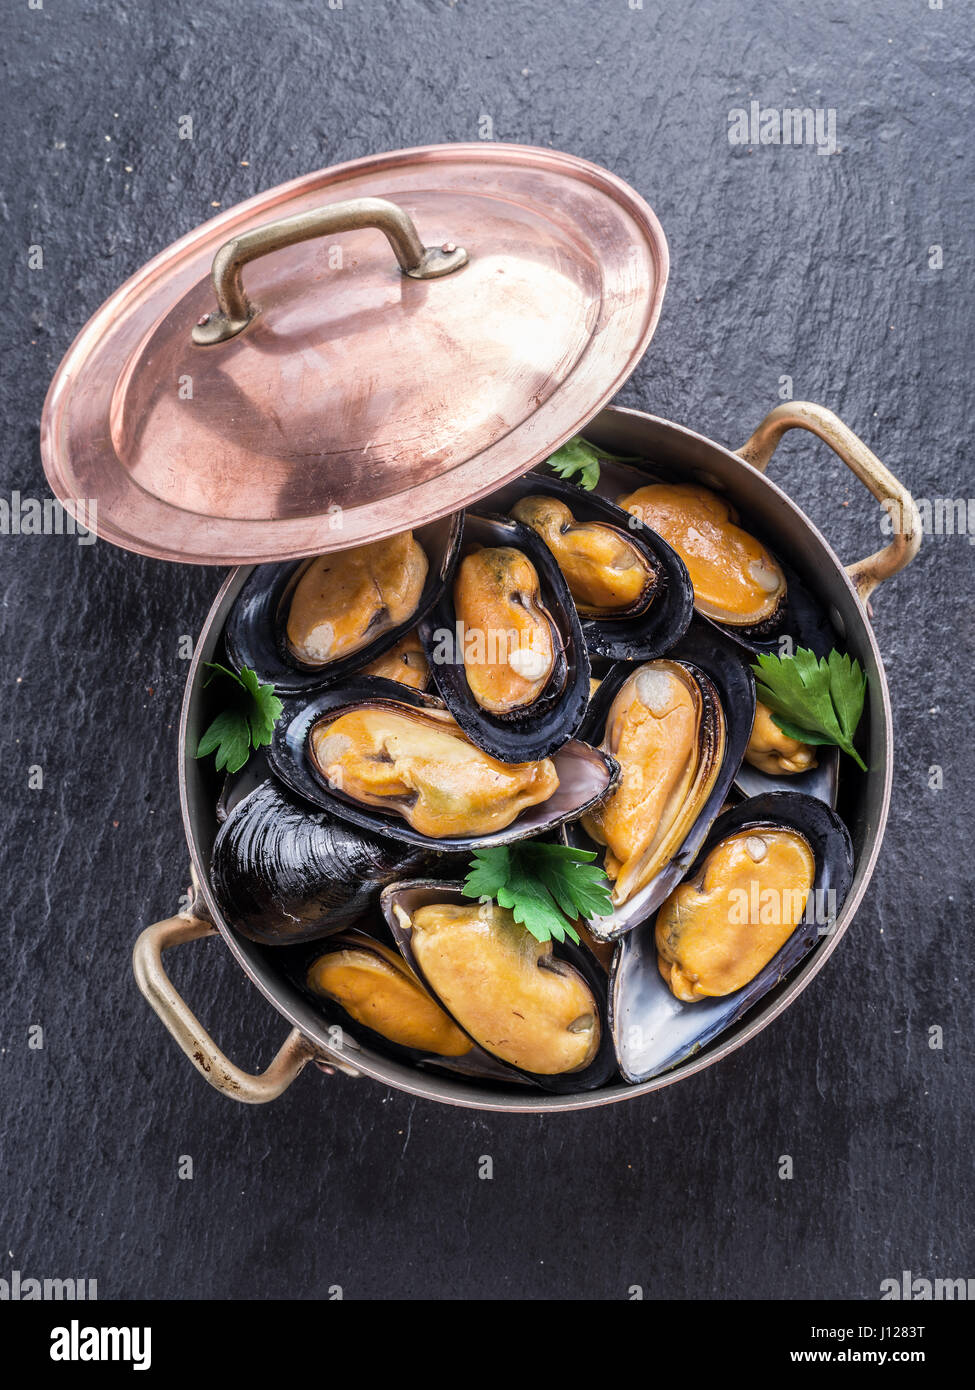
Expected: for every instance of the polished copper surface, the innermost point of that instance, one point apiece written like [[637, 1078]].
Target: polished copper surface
[[359, 401]]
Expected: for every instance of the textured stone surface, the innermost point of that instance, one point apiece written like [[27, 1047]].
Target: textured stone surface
[[783, 263]]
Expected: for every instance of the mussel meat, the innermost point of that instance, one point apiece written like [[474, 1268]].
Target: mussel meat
[[737, 581], [537, 1008], [393, 761], [505, 644], [377, 989], [510, 640], [713, 654], [420, 765], [718, 929], [513, 997], [719, 945], [608, 574], [666, 729], [405, 663], [774, 752], [303, 625], [343, 600]]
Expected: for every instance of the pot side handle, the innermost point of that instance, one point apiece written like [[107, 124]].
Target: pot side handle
[[866, 574], [190, 1035]]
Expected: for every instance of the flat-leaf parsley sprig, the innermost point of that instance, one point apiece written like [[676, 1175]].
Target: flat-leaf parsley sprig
[[546, 887], [578, 461], [246, 723], [814, 701]]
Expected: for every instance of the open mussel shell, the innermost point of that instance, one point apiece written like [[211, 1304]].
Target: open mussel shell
[[301, 967], [821, 781], [285, 872], [532, 731], [706, 651], [802, 619], [798, 614], [401, 900], [255, 632], [652, 1029], [585, 774], [662, 617]]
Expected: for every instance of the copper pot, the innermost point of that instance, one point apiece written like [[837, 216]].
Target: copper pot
[[845, 591]]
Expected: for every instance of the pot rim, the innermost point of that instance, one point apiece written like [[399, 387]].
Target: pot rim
[[444, 1089]]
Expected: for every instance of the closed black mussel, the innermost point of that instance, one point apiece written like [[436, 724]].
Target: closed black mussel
[[284, 871]]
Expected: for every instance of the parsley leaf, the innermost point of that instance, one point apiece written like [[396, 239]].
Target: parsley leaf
[[545, 886], [248, 722], [577, 458], [815, 701]]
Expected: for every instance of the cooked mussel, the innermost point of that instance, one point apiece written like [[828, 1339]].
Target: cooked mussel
[[773, 751], [505, 645], [770, 880], [341, 601], [608, 575], [659, 825], [739, 584], [538, 1008], [720, 927], [666, 729], [776, 762], [373, 984], [283, 871], [631, 589], [406, 663], [511, 643], [305, 624], [737, 581], [422, 766], [392, 760]]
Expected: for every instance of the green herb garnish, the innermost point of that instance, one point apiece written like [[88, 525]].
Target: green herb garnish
[[245, 724], [545, 886], [578, 462], [814, 701]]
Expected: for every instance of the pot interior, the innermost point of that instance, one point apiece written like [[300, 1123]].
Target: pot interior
[[863, 803]]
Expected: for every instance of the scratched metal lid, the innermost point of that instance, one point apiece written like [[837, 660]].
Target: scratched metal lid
[[355, 352]]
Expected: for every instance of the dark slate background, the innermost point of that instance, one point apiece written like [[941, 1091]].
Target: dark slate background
[[783, 263]]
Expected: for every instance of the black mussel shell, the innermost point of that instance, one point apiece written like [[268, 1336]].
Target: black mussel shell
[[722, 662], [800, 617], [422, 892], [254, 634], [284, 872], [653, 1030], [476, 1063], [537, 730], [236, 785], [585, 774], [652, 630]]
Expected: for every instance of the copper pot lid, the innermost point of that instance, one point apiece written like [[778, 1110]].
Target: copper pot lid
[[379, 344]]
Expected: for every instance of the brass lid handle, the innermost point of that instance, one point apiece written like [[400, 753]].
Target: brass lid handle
[[866, 574], [235, 311]]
